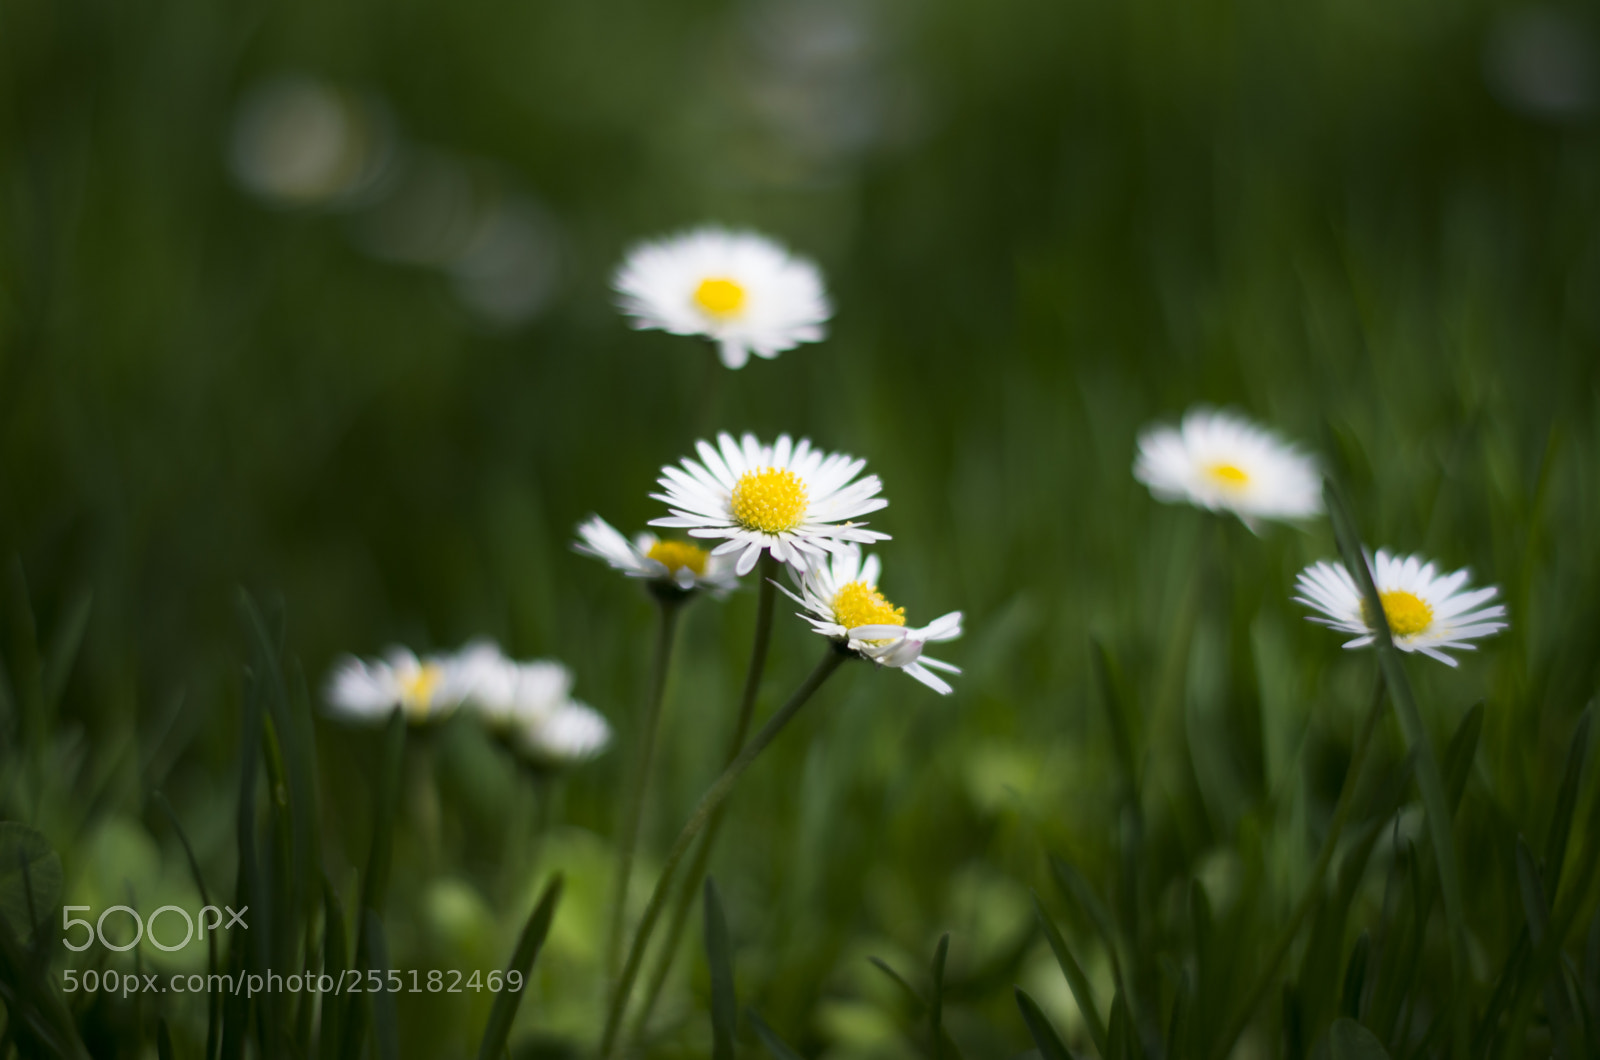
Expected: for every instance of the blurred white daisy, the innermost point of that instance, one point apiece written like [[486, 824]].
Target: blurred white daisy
[[1223, 462], [1427, 612], [795, 500], [529, 706], [842, 602], [426, 689], [739, 289], [678, 564]]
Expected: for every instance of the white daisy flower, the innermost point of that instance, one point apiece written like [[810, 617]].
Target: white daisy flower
[[1223, 462], [842, 602], [529, 705], [1427, 612], [795, 500], [739, 289], [677, 564], [426, 689]]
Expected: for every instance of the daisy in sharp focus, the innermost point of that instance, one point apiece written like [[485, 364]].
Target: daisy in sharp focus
[[679, 565], [797, 501], [1223, 462], [425, 689], [739, 289], [1427, 612], [529, 706], [842, 602]]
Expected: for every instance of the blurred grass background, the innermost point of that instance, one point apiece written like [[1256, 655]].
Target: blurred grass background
[[1370, 225]]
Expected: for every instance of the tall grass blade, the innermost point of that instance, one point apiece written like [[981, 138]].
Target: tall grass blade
[[1077, 981], [1044, 1035], [385, 1020], [776, 1046], [498, 1030], [335, 963], [936, 1002], [213, 998], [724, 1004], [1435, 805], [1555, 850]]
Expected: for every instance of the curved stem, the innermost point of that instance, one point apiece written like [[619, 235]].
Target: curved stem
[[1330, 842], [709, 802], [702, 858], [628, 835]]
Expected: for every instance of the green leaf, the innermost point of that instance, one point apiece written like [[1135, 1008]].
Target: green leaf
[[918, 1006], [30, 878], [335, 962], [1555, 851], [1178, 1021], [1122, 1040], [776, 1046], [936, 1006], [498, 1029], [724, 1004], [375, 881], [1349, 1040], [1355, 976], [1536, 908], [385, 1019], [1076, 980], [1043, 1034], [214, 997], [1435, 805]]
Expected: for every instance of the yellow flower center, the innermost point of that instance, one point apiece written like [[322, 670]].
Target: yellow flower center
[[1230, 475], [1407, 613], [771, 500], [719, 297], [860, 604], [676, 555], [416, 689]]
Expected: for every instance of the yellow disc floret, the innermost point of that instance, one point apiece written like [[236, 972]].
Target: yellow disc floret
[[417, 688], [1231, 475], [1408, 614], [860, 604], [772, 500], [676, 555], [719, 297]]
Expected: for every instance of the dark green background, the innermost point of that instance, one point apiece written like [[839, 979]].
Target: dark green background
[[1069, 220]]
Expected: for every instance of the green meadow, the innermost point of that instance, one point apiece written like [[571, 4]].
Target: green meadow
[[308, 348]]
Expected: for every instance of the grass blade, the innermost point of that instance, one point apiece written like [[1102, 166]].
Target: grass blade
[[335, 962], [62, 651], [1355, 977], [1349, 1040], [936, 1005], [163, 1040], [918, 1006], [1044, 1035], [498, 1029], [1076, 980], [1555, 851], [1435, 805], [724, 1003], [385, 1020], [214, 998], [776, 1046]]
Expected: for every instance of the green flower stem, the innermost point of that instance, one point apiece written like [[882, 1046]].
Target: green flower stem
[[628, 836], [690, 889], [1435, 806], [709, 802], [1314, 886]]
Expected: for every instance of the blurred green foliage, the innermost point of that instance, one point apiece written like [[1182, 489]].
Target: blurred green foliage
[[1044, 226]]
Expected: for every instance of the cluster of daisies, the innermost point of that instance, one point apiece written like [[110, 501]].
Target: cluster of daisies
[[1222, 462], [527, 706], [796, 503], [800, 506]]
